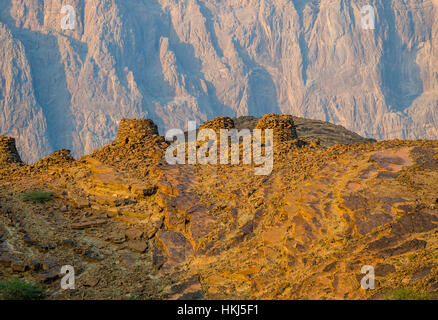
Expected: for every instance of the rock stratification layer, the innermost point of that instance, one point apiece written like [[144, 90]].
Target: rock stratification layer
[[173, 61]]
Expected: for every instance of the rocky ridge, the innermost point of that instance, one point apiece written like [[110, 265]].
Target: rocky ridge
[[218, 231]]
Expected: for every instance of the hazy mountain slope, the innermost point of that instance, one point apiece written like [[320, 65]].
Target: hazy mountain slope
[[21, 116], [175, 60]]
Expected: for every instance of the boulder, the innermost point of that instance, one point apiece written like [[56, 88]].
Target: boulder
[[138, 246], [174, 245]]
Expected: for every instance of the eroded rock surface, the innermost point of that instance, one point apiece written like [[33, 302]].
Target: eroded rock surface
[[134, 226]]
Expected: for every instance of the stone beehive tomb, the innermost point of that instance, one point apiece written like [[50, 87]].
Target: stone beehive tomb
[[283, 126], [8, 151]]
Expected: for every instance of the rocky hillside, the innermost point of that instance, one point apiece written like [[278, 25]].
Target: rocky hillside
[[173, 60], [135, 227], [327, 133]]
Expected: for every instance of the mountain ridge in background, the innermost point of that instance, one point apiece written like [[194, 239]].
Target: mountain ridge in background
[[174, 61]]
